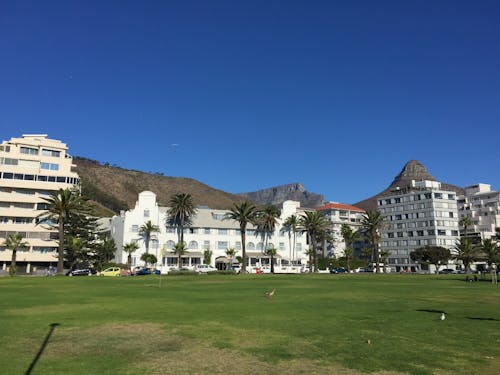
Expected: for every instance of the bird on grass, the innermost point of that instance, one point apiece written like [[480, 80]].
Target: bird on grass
[[443, 316], [270, 294]]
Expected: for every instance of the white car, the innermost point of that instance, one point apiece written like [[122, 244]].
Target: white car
[[205, 268]]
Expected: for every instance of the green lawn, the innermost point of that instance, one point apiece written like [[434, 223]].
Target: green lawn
[[315, 324]]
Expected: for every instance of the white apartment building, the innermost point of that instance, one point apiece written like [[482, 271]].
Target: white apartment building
[[31, 167], [208, 232], [482, 206], [338, 214], [419, 215]]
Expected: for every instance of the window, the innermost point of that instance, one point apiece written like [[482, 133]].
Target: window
[[222, 245], [170, 229], [217, 216], [47, 152], [298, 247], [22, 220], [441, 232], [237, 245], [49, 166], [260, 246], [451, 196], [282, 246], [420, 233], [170, 244], [146, 213], [29, 150], [206, 245], [438, 195], [451, 214], [222, 231], [193, 245], [250, 246], [207, 230], [134, 228]]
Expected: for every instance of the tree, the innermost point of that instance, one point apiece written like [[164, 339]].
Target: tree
[[244, 213], [105, 250], [148, 259], [179, 249], [312, 222], [181, 210], [350, 236], [129, 248], [466, 251], [290, 225], [75, 251], [146, 230], [207, 256], [372, 223], [384, 255], [465, 222], [266, 221], [271, 252], [60, 206], [434, 255], [13, 242], [490, 251]]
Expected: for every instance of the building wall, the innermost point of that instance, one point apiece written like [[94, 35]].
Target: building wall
[[208, 231], [31, 167], [423, 214]]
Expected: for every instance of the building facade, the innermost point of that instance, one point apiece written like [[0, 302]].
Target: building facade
[[482, 206], [419, 215], [338, 214], [208, 231], [31, 168]]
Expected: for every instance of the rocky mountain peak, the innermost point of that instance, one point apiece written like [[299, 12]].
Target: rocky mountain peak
[[414, 170], [278, 194]]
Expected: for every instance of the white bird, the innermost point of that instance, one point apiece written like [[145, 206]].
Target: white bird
[[443, 317], [269, 294]]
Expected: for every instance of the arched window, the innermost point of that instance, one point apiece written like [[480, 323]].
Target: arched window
[[193, 245], [270, 245], [170, 245], [260, 246], [250, 246]]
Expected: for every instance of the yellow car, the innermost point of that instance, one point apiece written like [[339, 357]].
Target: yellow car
[[111, 271]]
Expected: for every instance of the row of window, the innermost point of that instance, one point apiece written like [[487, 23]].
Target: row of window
[[424, 223], [32, 177], [40, 235], [220, 231], [223, 245], [420, 215], [421, 233], [418, 242], [415, 197], [36, 249], [34, 151]]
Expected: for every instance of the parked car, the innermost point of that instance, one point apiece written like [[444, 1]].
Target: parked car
[[447, 271], [205, 268], [143, 271], [111, 271], [81, 272], [338, 270], [360, 270]]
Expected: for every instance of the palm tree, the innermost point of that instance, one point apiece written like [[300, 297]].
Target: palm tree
[[129, 248], [465, 222], [13, 242], [490, 251], [466, 251], [148, 258], [207, 256], [312, 222], [266, 221], [290, 225], [180, 249], [272, 253], [231, 254], [181, 210], [350, 236], [146, 230], [60, 206], [244, 213], [371, 223]]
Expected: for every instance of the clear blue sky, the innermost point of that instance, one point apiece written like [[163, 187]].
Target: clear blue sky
[[244, 95]]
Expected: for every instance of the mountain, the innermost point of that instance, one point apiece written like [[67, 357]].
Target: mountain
[[112, 188], [413, 170], [278, 194]]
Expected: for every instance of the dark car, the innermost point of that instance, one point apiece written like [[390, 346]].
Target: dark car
[[447, 271], [338, 270], [143, 271], [81, 272]]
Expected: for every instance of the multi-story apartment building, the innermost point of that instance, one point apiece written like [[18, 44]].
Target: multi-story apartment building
[[339, 214], [208, 231], [418, 215], [482, 206], [31, 167]]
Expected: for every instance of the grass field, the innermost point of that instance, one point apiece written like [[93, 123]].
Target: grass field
[[314, 324]]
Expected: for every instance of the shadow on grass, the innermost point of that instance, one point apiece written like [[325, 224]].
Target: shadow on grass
[[476, 318], [432, 311], [42, 348]]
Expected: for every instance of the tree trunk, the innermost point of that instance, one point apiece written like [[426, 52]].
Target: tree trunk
[[243, 229], [60, 257], [375, 250], [315, 256]]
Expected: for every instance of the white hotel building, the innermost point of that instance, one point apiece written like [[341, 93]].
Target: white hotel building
[[31, 167], [419, 215], [208, 231], [482, 206]]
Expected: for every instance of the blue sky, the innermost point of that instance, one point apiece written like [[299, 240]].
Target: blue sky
[[244, 95]]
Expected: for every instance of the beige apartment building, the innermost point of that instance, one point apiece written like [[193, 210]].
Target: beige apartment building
[[31, 167]]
